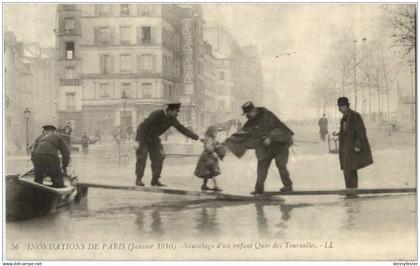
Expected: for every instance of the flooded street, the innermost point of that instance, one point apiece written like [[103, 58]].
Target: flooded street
[[132, 224]]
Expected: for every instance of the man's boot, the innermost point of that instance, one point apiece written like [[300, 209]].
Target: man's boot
[[156, 182], [286, 188], [139, 182]]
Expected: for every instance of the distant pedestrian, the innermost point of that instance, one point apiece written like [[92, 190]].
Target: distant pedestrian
[[85, 142], [323, 126], [116, 134], [129, 132], [66, 133], [354, 149], [208, 163], [98, 137]]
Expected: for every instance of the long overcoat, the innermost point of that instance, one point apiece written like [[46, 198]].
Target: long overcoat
[[252, 134], [353, 134], [323, 125]]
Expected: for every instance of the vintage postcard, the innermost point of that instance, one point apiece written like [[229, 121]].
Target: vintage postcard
[[209, 131]]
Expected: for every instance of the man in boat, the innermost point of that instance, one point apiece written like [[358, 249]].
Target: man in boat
[[45, 156], [148, 141], [270, 138], [354, 149]]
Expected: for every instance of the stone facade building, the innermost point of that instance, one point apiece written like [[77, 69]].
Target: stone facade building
[[30, 84], [119, 62]]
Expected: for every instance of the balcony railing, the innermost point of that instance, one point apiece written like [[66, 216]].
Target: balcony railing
[[69, 82], [70, 108]]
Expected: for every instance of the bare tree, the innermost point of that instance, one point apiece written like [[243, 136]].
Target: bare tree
[[403, 20]]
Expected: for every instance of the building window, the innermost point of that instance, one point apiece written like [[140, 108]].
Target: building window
[[70, 101], [70, 73], [104, 90], [105, 64], [125, 61], [69, 7], [221, 90], [70, 50], [146, 35], [222, 75], [147, 62], [145, 9], [104, 36], [126, 87], [125, 11], [147, 90], [221, 106], [125, 35], [104, 10], [69, 24]]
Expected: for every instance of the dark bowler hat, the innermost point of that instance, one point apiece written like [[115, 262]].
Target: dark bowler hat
[[247, 107], [174, 106], [343, 101], [49, 127]]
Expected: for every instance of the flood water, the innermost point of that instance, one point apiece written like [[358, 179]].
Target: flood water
[[379, 227]]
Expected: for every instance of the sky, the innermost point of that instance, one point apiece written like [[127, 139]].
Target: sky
[[306, 31]]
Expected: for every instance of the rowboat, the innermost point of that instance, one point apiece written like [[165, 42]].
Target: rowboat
[[27, 199]]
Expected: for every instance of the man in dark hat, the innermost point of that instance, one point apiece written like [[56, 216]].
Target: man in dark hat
[[45, 156], [148, 140], [271, 139], [354, 149]]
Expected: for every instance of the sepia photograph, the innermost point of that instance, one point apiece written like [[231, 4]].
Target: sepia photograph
[[139, 131]]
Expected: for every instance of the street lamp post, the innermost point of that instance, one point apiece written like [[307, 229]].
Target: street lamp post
[[124, 98], [27, 113]]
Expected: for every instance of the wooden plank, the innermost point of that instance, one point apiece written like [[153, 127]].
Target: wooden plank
[[265, 196], [342, 191], [213, 195], [60, 191]]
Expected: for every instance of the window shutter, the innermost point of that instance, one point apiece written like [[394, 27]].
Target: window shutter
[[96, 35], [101, 64], [62, 25], [113, 36], [153, 36], [112, 63], [139, 63], [97, 10], [138, 35], [154, 63]]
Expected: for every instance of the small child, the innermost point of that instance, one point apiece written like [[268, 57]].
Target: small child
[[208, 165]]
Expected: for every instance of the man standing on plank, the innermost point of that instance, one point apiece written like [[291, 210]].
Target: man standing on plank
[[148, 141], [270, 138], [354, 149]]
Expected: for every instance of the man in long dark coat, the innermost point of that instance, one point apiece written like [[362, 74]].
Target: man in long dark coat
[[148, 140], [354, 149], [45, 156], [323, 126], [270, 138]]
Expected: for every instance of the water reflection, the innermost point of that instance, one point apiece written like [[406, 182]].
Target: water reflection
[[351, 211], [206, 221], [281, 226]]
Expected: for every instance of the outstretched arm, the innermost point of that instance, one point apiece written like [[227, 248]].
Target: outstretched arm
[[65, 153], [185, 131]]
